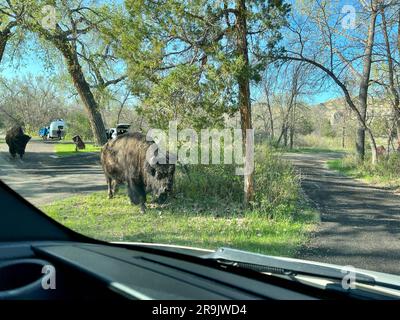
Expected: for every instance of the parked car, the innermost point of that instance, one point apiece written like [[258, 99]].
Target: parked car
[[121, 128], [57, 129], [43, 132]]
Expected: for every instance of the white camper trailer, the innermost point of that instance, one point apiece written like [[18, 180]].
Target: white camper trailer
[[57, 129]]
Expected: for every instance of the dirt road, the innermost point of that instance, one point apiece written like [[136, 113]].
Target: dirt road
[[360, 224], [42, 177]]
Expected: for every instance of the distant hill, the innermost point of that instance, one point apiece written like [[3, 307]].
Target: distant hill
[[334, 109]]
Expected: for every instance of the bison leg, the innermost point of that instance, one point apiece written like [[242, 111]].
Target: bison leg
[[110, 188], [115, 187], [137, 195], [12, 151]]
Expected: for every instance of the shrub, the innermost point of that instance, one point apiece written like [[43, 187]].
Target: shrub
[[277, 187]]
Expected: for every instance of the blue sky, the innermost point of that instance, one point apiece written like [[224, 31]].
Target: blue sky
[[32, 63]]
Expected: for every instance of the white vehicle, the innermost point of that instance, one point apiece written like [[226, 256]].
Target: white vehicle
[[121, 128], [112, 133], [57, 129]]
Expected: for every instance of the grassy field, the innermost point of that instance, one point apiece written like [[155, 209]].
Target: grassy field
[[205, 211], [68, 149], [384, 174]]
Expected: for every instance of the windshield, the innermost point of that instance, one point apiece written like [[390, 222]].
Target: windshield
[[265, 126]]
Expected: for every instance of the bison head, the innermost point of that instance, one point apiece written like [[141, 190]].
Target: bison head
[[161, 178]]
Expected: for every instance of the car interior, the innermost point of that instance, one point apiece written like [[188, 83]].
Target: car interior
[[32, 246]]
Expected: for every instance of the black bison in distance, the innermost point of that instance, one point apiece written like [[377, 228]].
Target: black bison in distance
[[126, 160], [17, 141]]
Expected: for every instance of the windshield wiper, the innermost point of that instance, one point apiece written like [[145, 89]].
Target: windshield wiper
[[282, 266]]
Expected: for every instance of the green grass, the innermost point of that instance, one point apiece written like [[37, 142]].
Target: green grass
[[68, 149], [384, 174], [182, 222], [338, 165], [204, 211]]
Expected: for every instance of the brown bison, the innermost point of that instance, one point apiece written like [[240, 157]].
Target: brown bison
[[17, 141], [79, 144], [128, 159]]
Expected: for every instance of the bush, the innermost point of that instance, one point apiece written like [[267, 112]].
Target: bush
[[277, 186], [77, 123]]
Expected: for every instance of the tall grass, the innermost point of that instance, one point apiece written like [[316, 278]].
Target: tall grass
[[277, 186], [321, 142], [385, 173]]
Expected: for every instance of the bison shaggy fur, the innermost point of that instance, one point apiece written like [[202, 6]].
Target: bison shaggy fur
[[17, 141], [126, 160]]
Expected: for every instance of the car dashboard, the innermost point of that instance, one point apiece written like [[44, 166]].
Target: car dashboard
[[84, 271]]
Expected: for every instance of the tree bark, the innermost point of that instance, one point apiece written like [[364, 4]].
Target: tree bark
[[3, 42], [244, 93], [373, 147], [283, 128], [83, 88], [271, 119], [292, 122], [364, 85], [5, 35], [68, 49], [395, 101]]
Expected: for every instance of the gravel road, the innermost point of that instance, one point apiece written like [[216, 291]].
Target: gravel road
[[360, 224]]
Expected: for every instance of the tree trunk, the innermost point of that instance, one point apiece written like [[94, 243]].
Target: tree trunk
[[373, 147], [343, 136], [283, 128], [360, 139], [244, 94], [364, 85], [3, 42], [271, 119], [285, 136], [292, 124], [291, 136], [83, 88], [74, 68], [5, 35], [395, 101]]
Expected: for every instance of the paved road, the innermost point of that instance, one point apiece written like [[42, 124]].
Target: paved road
[[42, 177], [360, 224]]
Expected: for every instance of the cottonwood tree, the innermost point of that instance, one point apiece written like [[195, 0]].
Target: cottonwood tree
[[70, 26], [390, 71], [218, 38], [6, 29], [338, 53]]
